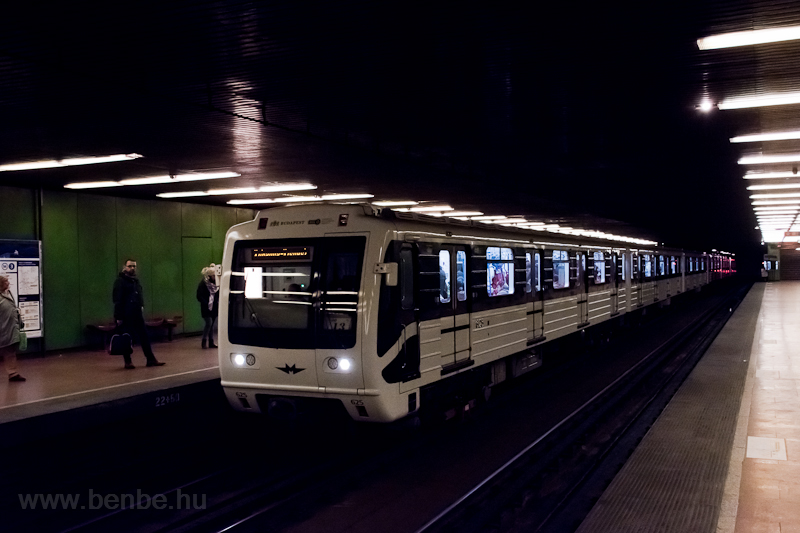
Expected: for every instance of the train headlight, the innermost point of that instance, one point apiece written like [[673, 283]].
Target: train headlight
[[338, 364], [244, 360]]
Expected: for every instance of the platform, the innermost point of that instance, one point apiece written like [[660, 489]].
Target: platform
[[724, 456], [80, 388]]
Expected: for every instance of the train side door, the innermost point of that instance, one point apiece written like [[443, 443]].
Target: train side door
[[615, 259], [636, 282], [460, 308], [580, 286]]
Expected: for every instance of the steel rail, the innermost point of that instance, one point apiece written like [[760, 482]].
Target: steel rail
[[502, 469]]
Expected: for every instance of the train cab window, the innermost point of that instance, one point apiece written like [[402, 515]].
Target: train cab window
[[499, 271], [673, 265], [461, 275], [406, 275], [599, 268], [299, 293], [444, 276], [648, 266], [560, 269]]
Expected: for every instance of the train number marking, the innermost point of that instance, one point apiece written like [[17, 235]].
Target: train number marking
[[357, 402], [161, 401], [479, 323]]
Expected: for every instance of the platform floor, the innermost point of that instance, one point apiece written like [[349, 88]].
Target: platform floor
[[75, 379], [725, 454]]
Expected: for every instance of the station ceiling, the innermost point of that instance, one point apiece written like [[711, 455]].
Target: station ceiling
[[582, 115]]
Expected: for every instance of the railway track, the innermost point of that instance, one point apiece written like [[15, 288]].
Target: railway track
[[552, 483]]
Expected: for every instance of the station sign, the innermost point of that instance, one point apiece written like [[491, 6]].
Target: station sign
[[21, 262]]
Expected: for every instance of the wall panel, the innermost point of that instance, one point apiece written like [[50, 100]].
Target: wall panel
[[167, 274], [133, 242], [222, 218], [196, 220], [61, 271], [97, 250], [18, 213]]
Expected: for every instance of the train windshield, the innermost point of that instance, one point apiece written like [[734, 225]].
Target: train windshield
[[295, 293]]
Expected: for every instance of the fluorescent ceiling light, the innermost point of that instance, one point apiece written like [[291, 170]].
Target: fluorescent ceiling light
[[776, 195], [769, 175], [745, 102], [774, 202], [706, 106], [155, 180], [774, 186], [391, 203], [235, 190], [92, 185], [287, 187], [422, 209], [489, 217], [197, 176], [747, 38], [69, 162], [777, 136], [762, 159], [463, 214], [186, 194], [152, 180], [346, 196], [286, 199]]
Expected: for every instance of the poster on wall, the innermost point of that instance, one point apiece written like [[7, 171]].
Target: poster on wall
[[21, 263]]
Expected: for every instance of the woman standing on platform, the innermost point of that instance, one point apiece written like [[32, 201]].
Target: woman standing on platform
[[10, 324], [208, 296]]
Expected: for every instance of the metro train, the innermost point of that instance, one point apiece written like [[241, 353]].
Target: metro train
[[379, 314]]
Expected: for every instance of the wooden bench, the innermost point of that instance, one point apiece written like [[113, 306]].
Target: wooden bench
[[107, 329]]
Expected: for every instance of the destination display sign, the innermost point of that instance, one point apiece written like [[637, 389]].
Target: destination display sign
[[296, 253]]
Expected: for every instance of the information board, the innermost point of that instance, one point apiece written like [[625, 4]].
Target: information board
[[21, 262]]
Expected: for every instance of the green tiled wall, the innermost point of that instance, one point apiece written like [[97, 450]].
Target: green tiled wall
[[85, 240]]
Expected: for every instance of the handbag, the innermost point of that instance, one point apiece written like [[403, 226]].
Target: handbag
[[23, 341], [121, 344]]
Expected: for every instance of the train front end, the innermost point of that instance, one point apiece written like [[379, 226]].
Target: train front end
[[294, 312]]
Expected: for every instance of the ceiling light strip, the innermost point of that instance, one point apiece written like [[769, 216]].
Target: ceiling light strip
[[762, 137], [68, 162], [749, 38]]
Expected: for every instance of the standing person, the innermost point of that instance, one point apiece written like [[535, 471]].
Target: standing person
[[128, 309], [10, 324], [208, 296]]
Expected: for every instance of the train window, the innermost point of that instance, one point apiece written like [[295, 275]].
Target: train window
[[499, 271], [661, 266], [673, 265], [461, 275], [537, 271], [528, 272], [444, 276], [560, 269], [406, 267], [703, 265], [648, 266], [623, 256], [599, 268]]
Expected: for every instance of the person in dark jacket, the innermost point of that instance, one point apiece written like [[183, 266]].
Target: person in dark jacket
[[128, 309], [208, 296]]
